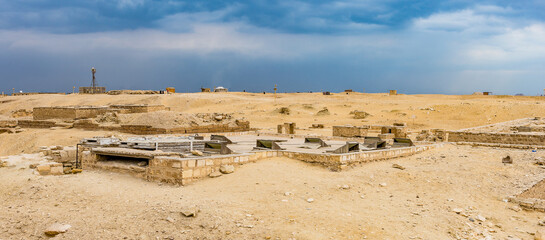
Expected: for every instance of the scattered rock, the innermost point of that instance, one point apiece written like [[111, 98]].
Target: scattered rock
[[345, 187], [226, 169], [383, 184], [541, 222], [141, 164], [284, 110], [540, 161], [360, 114], [480, 218], [310, 200], [395, 165], [457, 210], [56, 229], [218, 117], [196, 153], [169, 219], [317, 125], [190, 212], [323, 112], [507, 160], [215, 174], [288, 193]]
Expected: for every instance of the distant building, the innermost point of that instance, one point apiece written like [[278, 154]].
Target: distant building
[[92, 90], [393, 92], [487, 93], [171, 90], [205, 89], [220, 89]]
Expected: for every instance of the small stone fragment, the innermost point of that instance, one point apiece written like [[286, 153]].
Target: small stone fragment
[[395, 165], [507, 160], [345, 187], [142, 163], [383, 184], [56, 229], [190, 212], [196, 153], [215, 174], [480, 218], [169, 219], [457, 210], [310, 200]]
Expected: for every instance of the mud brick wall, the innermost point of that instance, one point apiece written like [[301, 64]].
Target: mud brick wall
[[399, 132], [503, 138], [142, 129], [45, 113], [150, 130], [140, 108], [86, 124], [350, 131], [35, 124], [91, 112], [8, 123]]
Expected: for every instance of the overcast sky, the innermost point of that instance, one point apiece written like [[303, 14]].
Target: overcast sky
[[428, 46]]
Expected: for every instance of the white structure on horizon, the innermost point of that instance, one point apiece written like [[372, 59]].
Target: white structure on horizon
[[220, 89]]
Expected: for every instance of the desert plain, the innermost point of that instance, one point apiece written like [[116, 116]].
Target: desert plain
[[453, 191]]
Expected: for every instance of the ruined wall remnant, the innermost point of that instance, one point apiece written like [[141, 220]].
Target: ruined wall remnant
[[350, 131]]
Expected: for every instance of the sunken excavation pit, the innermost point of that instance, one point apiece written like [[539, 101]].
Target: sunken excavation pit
[[183, 159]]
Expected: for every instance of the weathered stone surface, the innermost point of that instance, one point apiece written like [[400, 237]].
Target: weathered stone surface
[[196, 153], [57, 170], [215, 174], [226, 169], [56, 229], [43, 169]]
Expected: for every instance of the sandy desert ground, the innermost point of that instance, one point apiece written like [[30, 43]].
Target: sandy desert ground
[[267, 199]]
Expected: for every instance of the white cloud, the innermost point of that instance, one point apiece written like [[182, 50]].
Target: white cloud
[[205, 38], [467, 20], [121, 4]]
